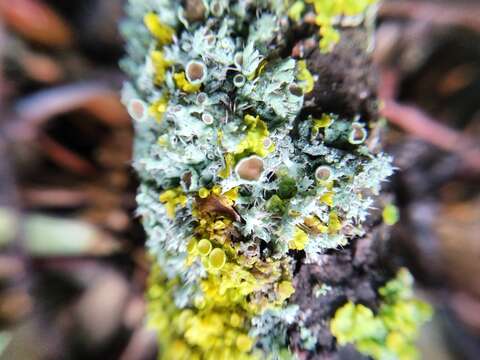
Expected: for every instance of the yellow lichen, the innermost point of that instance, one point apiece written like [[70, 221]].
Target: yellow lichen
[[234, 289], [204, 247], [295, 11], [162, 32], [315, 225], [334, 223], [318, 124], [258, 71], [389, 334], [183, 84], [285, 290], [159, 107], [171, 199], [305, 76], [160, 65], [299, 240], [254, 141], [204, 332], [327, 11], [327, 198], [229, 163]]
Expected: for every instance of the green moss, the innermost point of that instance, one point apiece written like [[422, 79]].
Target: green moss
[[276, 205], [287, 188]]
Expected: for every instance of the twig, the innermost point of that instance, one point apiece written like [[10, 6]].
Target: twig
[[64, 157], [453, 13], [53, 197], [417, 123]]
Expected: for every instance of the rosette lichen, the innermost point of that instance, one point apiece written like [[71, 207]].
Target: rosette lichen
[[237, 181]]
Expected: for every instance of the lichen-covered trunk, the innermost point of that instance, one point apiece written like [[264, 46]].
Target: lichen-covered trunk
[[257, 146]]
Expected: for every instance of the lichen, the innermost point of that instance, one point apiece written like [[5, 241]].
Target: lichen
[[390, 333], [329, 15], [237, 182]]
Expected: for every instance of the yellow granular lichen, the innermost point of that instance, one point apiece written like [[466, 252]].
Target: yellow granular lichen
[[299, 240], [183, 84], [305, 77], [159, 107], [235, 289], [162, 32], [254, 140], [160, 64], [173, 198], [229, 163], [315, 225], [295, 11], [208, 330], [334, 223], [327, 11]]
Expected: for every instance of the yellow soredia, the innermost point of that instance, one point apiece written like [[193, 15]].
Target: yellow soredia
[[334, 223], [305, 76], [327, 198], [315, 225], [160, 65], [329, 10], [254, 141], [295, 11], [162, 32], [390, 214], [228, 197], [171, 199], [183, 84], [232, 195], [285, 290], [299, 240], [244, 343], [229, 163], [324, 121], [159, 107]]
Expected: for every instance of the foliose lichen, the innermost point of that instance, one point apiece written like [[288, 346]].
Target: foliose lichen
[[236, 181]]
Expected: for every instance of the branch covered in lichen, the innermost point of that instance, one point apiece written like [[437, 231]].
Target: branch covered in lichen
[[237, 182]]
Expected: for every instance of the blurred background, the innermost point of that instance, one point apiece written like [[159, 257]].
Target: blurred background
[[72, 263]]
